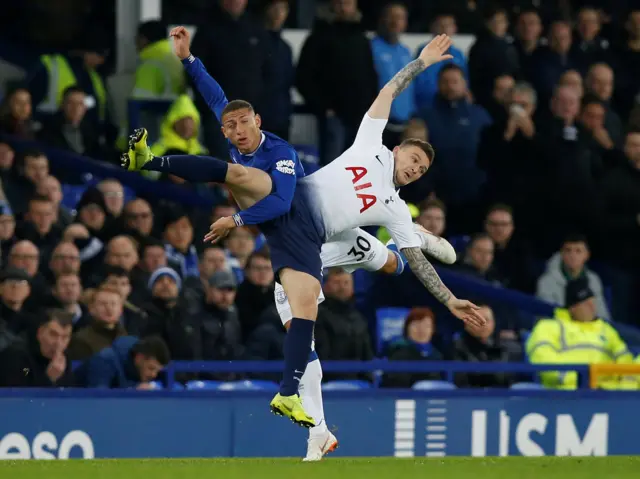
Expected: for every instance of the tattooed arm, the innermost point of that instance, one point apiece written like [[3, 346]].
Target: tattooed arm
[[434, 52], [427, 274], [460, 308]]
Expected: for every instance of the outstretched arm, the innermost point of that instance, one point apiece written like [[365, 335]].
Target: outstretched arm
[[426, 273], [434, 52], [210, 90]]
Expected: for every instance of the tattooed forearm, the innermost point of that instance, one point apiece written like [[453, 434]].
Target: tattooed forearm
[[426, 273], [405, 76]]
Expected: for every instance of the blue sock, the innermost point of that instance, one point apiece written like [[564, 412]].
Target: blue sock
[[402, 261], [297, 347], [190, 167]]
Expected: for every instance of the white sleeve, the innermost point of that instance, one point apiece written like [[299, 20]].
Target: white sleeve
[[370, 133], [401, 228]]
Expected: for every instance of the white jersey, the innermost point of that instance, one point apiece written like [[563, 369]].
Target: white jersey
[[358, 189]]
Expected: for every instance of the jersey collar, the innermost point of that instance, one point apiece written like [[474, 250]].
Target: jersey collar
[[255, 151]]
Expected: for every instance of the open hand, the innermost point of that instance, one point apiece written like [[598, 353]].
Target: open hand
[[181, 41], [436, 50], [467, 312], [220, 229]]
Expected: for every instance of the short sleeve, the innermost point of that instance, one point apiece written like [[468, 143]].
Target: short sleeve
[[370, 133], [401, 228]]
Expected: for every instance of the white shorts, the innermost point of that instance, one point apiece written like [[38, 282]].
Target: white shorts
[[350, 250]]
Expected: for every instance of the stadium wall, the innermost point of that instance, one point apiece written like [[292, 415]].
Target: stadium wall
[[132, 424]]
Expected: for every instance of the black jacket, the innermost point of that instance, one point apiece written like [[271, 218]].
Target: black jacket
[[24, 366], [342, 333], [220, 332], [336, 71], [251, 302], [55, 133], [406, 350], [470, 349]]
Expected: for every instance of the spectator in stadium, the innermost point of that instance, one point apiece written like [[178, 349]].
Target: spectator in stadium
[[239, 246], [170, 318], [212, 259], [572, 79], [16, 115], [133, 317], [336, 75], [26, 256], [179, 130], [527, 38], [628, 66], [567, 265], [501, 96], [491, 55], [592, 119], [66, 296], [31, 171], [39, 226], [51, 188], [7, 159], [481, 345], [138, 218], [389, 57], [152, 257], [113, 193], [65, 259], [7, 230], [478, 259], [576, 335], [255, 293], [512, 255], [512, 135], [14, 291], [600, 82], [68, 130], [178, 237], [128, 363], [589, 46], [433, 217], [159, 74], [232, 34], [414, 345], [550, 62], [92, 213], [280, 108], [122, 252], [105, 308], [341, 331], [621, 225], [426, 84], [218, 317], [41, 361], [452, 117]]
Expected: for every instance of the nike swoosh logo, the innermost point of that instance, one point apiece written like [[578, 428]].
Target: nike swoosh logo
[[379, 160]]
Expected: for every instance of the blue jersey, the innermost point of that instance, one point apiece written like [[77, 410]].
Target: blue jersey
[[274, 155]]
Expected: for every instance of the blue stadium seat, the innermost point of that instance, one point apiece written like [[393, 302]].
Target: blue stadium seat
[[459, 243], [195, 385], [429, 385], [527, 386], [253, 385], [389, 325], [71, 194], [346, 385]]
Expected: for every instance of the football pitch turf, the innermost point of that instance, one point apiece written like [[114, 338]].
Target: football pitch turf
[[338, 468]]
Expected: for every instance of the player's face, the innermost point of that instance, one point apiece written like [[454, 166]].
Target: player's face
[[242, 129], [411, 164]]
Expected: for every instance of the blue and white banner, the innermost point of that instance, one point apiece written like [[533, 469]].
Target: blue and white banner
[[188, 424]]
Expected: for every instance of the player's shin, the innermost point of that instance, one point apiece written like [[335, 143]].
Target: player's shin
[[190, 167], [311, 395], [297, 346]]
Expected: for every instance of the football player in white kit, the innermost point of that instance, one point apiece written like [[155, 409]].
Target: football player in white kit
[[359, 188]]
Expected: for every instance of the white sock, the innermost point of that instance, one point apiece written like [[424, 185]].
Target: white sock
[[311, 394]]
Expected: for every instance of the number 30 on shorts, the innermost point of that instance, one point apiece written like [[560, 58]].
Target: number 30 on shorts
[[363, 246]]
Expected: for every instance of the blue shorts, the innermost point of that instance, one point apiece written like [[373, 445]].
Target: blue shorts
[[294, 240]]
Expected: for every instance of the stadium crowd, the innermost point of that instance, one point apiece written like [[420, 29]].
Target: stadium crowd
[[536, 180]]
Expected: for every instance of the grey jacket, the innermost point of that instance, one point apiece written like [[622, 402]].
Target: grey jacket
[[552, 284]]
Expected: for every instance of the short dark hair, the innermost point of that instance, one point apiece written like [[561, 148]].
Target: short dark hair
[[477, 237], [492, 11], [262, 254], [60, 316], [423, 145], [591, 99], [435, 203], [72, 89], [110, 270], [39, 199], [450, 67], [500, 207], [32, 153], [153, 347], [236, 105], [575, 238]]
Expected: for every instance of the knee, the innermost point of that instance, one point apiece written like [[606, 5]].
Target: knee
[[305, 305], [237, 174]]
